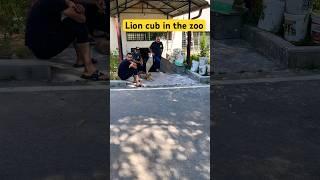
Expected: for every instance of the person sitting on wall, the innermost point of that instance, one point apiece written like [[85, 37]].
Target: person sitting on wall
[[127, 68], [52, 25], [156, 49]]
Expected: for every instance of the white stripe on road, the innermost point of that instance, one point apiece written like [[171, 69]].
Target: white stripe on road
[[267, 80], [52, 88], [161, 88], [82, 88]]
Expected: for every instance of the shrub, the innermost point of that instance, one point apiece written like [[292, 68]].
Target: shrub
[[316, 5], [204, 46], [12, 16]]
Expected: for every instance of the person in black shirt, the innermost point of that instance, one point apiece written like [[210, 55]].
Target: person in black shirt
[[156, 49], [52, 25], [138, 59], [128, 68]]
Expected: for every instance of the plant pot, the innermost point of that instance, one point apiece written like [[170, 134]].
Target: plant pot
[[208, 69], [298, 6], [272, 15], [195, 66], [295, 27], [203, 61], [203, 70]]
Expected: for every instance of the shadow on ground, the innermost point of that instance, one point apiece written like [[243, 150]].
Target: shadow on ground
[[267, 131]]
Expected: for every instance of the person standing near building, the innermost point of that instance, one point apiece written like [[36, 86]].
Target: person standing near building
[[156, 49]]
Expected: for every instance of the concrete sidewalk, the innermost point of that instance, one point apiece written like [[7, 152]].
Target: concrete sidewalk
[[57, 69], [159, 79]]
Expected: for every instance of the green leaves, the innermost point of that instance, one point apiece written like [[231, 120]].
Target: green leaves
[[12, 16], [204, 46]]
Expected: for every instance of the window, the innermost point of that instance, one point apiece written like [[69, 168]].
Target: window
[[195, 40], [146, 36]]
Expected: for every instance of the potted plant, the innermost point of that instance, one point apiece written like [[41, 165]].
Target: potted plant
[[195, 62]]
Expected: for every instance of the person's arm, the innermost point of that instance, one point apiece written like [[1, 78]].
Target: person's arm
[[75, 12], [161, 48], [151, 48]]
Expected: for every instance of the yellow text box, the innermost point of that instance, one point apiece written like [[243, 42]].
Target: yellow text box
[[163, 25]]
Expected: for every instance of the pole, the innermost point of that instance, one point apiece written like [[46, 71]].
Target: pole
[[189, 38], [119, 33], [167, 36]]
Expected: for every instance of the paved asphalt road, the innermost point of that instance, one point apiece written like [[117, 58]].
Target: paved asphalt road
[[54, 134], [268, 131], [160, 134]]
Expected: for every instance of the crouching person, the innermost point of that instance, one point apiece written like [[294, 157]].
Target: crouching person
[[127, 69]]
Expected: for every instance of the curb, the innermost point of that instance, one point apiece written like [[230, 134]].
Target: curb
[[25, 69]]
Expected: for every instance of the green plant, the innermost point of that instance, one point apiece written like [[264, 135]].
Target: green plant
[[22, 52], [204, 46], [12, 16], [316, 5], [194, 57], [114, 63], [5, 47]]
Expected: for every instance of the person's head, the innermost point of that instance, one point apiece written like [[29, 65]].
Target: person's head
[[137, 49], [158, 39], [129, 56]]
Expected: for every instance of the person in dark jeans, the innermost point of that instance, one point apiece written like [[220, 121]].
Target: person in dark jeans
[[128, 68], [156, 49], [52, 25]]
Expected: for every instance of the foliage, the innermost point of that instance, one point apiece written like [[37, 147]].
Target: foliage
[[12, 16], [5, 48], [114, 63], [194, 57], [204, 46], [316, 5]]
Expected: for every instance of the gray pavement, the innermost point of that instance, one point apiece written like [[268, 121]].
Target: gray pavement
[[160, 133], [236, 57], [54, 133], [266, 130]]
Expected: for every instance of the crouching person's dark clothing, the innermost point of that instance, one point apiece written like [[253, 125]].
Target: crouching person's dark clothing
[[46, 34], [124, 72]]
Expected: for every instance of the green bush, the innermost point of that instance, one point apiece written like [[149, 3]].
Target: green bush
[[204, 46], [194, 57], [12, 16], [114, 63], [316, 5], [5, 48]]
